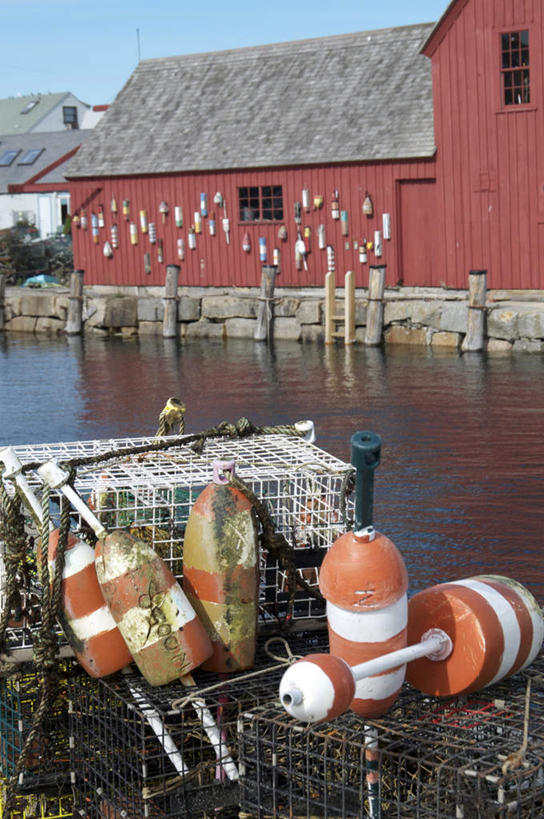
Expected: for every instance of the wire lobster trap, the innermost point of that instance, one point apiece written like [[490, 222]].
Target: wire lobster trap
[[149, 485], [50, 804], [471, 757], [47, 764], [139, 751]]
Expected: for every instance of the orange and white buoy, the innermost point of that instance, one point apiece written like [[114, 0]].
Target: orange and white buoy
[[496, 627], [158, 623], [364, 580], [85, 618], [317, 688], [221, 571]]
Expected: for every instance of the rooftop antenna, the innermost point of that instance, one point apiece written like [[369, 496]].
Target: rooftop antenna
[[138, 40]]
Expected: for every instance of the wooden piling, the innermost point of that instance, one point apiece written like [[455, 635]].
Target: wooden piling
[[265, 315], [477, 294], [74, 319], [170, 320], [374, 319], [349, 308], [2, 300], [330, 306]]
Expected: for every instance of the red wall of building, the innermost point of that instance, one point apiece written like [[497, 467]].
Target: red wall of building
[[490, 162], [213, 262]]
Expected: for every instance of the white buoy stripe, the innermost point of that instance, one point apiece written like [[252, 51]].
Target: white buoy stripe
[[93, 624], [371, 625], [75, 560], [381, 686], [508, 623]]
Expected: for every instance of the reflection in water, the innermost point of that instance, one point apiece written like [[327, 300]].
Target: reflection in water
[[460, 488]]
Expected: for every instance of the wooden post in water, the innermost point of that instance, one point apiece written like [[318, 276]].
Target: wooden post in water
[[74, 319], [349, 308], [374, 319], [477, 293], [2, 300], [265, 315], [330, 306], [170, 320]]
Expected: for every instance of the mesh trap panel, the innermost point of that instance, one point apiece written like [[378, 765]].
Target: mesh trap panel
[[138, 751], [48, 761], [152, 493], [453, 759], [49, 804]]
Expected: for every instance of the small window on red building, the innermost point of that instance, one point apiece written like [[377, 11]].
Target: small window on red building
[[259, 204], [515, 68]]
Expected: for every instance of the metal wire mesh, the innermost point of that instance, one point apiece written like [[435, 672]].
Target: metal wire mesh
[[153, 492], [48, 762], [452, 759], [137, 752], [44, 805]]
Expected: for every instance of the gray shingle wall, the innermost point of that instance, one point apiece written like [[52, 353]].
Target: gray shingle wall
[[353, 97]]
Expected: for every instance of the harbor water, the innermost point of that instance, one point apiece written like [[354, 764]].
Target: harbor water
[[460, 488]]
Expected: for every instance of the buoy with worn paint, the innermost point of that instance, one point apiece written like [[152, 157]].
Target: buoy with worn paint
[[221, 571], [496, 627], [85, 618], [246, 243], [159, 625], [364, 581]]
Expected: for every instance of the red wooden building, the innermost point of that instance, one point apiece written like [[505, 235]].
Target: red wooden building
[[439, 124]]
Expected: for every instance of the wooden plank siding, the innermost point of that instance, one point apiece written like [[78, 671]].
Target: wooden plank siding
[[213, 262], [489, 166]]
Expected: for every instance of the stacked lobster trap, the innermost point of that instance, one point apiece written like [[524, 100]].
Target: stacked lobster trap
[[472, 757], [118, 742]]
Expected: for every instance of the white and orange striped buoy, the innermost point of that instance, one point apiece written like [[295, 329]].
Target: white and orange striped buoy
[[364, 580], [158, 623], [317, 688], [85, 618], [496, 627]]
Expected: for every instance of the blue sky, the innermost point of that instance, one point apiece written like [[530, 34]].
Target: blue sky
[[90, 47]]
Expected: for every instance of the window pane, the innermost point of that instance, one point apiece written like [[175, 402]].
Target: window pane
[[249, 204]]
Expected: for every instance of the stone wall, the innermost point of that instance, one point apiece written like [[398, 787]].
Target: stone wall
[[415, 316]]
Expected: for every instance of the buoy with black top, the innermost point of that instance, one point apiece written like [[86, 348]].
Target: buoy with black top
[[221, 571], [159, 625], [85, 618], [496, 627], [364, 581]]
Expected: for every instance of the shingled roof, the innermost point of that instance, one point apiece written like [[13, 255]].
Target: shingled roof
[[351, 97], [52, 147]]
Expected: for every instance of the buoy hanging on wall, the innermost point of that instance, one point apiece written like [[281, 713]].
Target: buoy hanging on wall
[[386, 222], [114, 237], [152, 232], [191, 238], [246, 243], [306, 199], [344, 227], [321, 237], [164, 210], [100, 216], [113, 204], [221, 573], [198, 221], [160, 252], [178, 216], [496, 626], [126, 209], [84, 220], [133, 234], [143, 221], [330, 259], [147, 263], [335, 206], [308, 238], [211, 224], [318, 202], [282, 233], [364, 581], [107, 250], [86, 620], [181, 249], [76, 220], [368, 207], [377, 243], [276, 256], [94, 227], [158, 623], [363, 253], [262, 248], [204, 204]]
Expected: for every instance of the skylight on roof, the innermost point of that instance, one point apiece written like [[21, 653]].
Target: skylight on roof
[[29, 106], [29, 157], [7, 158]]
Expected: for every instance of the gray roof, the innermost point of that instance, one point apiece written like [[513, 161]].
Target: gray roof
[[351, 97], [55, 145], [14, 121]]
